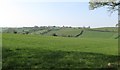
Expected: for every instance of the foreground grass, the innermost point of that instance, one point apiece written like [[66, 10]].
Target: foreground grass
[[33, 52]]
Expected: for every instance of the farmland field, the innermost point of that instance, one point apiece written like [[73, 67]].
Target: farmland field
[[92, 49]]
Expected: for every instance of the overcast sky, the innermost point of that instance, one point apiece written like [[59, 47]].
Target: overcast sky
[[25, 13]]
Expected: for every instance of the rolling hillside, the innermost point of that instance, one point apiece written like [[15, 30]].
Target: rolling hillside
[[39, 49], [106, 32], [43, 52]]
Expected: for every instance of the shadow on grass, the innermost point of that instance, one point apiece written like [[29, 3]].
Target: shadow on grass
[[38, 59]]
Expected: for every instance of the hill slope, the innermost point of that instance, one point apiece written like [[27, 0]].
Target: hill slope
[[47, 52]]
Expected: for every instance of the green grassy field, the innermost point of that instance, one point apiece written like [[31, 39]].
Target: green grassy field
[[107, 29], [97, 34], [65, 32], [91, 50]]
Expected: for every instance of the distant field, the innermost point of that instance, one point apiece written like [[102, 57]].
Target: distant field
[[64, 31], [40, 51], [107, 29], [97, 34]]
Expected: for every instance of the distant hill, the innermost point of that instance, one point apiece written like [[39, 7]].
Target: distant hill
[[114, 29], [104, 32]]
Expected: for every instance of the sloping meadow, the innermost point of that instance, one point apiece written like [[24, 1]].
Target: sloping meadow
[[47, 52]]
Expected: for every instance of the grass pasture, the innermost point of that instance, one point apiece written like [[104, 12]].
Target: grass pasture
[[65, 32], [48, 52]]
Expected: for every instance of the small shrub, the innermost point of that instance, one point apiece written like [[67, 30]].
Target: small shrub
[[54, 34], [15, 32]]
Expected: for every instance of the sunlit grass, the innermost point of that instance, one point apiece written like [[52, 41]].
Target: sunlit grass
[[36, 51]]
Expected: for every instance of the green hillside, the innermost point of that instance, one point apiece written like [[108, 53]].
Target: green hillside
[[97, 34], [61, 43], [107, 29], [105, 32], [40, 49], [65, 32], [41, 52], [87, 33]]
